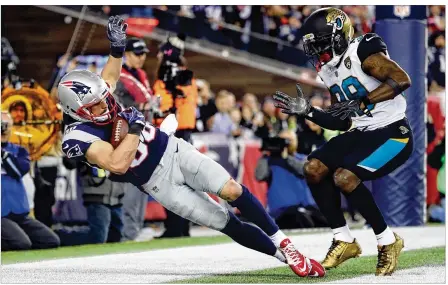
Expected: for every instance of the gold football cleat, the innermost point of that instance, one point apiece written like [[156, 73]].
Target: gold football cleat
[[339, 252], [388, 257]]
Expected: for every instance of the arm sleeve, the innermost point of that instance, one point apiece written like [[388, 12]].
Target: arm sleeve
[[262, 171], [370, 44], [327, 121]]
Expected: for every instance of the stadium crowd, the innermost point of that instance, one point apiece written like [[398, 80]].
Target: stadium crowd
[[248, 116]]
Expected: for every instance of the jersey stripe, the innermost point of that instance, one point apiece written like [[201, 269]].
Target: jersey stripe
[[81, 136]]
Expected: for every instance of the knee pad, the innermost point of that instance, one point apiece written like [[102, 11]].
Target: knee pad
[[314, 171], [345, 180]]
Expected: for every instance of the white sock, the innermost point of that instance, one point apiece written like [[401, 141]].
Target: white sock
[[280, 256], [343, 234], [385, 238], [277, 238]]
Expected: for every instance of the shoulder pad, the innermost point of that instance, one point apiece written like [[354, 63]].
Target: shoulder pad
[[369, 44]]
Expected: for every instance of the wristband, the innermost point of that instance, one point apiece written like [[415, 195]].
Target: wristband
[[395, 86], [366, 101], [117, 51], [135, 129]]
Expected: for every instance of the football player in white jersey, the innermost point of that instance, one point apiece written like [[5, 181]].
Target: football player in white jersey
[[368, 103]]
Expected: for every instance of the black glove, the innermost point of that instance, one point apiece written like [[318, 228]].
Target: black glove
[[116, 33], [346, 109], [289, 105]]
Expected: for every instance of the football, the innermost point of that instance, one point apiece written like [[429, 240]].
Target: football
[[120, 129]]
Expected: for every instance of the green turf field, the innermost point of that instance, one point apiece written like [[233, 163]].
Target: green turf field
[[350, 269], [353, 268], [108, 248], [112, 248]]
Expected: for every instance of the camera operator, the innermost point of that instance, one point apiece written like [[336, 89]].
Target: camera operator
[[289, 198], [179, 96], [18, 230], [103, 201]]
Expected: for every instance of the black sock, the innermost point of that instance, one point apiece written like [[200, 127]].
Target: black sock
[[363, 201], [328, 198], [254, 211], [249, 236]]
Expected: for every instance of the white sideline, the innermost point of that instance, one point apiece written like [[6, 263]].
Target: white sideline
[[164, 265]]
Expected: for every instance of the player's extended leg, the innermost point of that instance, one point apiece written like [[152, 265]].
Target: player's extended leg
[[382, 151], [389, 243], [204, 174], [181, 163], [199, 208], [328, 198]]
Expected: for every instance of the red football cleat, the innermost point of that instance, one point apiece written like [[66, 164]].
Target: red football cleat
[[317, 270], [296, 261]]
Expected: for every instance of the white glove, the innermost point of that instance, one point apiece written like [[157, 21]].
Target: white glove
[[169, 125]]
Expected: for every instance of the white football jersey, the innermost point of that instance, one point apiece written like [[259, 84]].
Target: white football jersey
[[347, 81]]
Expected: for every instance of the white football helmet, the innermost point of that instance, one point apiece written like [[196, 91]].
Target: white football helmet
[[78, 90]]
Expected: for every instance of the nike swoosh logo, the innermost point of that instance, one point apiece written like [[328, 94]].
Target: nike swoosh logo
[[304, 265], [368, 39], [65, 147], [315, 274]]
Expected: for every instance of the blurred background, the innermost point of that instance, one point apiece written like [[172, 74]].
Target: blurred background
[[238, 56]]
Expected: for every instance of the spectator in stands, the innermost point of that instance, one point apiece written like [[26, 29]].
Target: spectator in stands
[[277, 21], [282, 168], [437, 160], [18, 112], [436, 59], [18, 230], [250, 112], [221, 122], [284, 122], [290, 31], [206, 105], [235, 115], [232, 100], [436, 19], [103, 201], [268, 128]]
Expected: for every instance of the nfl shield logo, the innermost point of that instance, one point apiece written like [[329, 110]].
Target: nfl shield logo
[[348, 63], [402, 11]]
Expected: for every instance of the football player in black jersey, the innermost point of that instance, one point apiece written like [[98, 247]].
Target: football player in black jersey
[[366, 87]]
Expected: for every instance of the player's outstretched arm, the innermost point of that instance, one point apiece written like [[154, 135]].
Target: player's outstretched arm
[[301, 107], [116, 33], [116, 161], [395, 79]]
